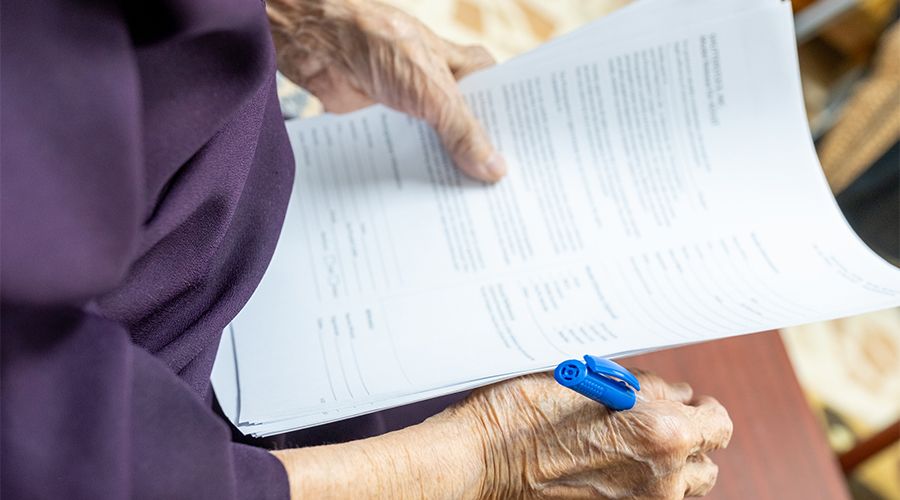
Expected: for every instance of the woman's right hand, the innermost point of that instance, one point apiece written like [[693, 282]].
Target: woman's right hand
[[528, 438], [542, 440]]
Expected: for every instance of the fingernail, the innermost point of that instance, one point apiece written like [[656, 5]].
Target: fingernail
[[494, 168]]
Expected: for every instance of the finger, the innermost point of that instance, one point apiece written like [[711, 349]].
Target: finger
[[337, 94], [680, 392], [466, 59], [654, 387], [700, 474], [713, 422], [462, 135], [659, 389]]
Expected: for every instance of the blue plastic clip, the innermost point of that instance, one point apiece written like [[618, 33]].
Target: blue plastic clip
[[599, 379]]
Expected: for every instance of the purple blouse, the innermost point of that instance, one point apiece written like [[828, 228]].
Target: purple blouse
[[145, 174]]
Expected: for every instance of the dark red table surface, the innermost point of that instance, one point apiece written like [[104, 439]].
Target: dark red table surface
[[778, 450]]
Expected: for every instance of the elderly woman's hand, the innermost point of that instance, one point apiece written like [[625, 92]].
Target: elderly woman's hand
[[528, 438], [541, 440], [351, 53]]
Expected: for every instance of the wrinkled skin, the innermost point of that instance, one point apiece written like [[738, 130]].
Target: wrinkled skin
[[353, 53], [544, 441]]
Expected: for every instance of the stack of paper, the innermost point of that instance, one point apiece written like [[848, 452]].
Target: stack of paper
[[663, 189]]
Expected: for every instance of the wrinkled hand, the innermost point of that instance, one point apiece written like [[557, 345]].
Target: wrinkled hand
[[544, 441], [351, 53]]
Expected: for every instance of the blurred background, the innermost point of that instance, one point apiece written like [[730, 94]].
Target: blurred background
[[850, 65]]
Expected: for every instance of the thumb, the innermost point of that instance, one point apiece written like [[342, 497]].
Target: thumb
[[461, 133], [466, 59]]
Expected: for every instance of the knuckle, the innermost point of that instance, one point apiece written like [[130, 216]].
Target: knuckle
[[657, 427], [681, 442], [713, 475], [460, 134], [440, 114], [729, 429], [724, 426], [682, 389], [388, 25], [674, 491], [669, 434], [671, 486]]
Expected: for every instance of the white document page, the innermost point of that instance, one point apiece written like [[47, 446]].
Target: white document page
[[662, 191], [626, 23]]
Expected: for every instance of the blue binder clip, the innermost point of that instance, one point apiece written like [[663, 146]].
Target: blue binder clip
[[599, 379]]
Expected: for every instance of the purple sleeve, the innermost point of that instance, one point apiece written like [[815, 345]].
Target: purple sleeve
[[85, 412]]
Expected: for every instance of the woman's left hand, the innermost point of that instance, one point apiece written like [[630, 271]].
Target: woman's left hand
[[353, 53]]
